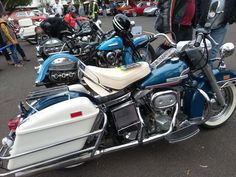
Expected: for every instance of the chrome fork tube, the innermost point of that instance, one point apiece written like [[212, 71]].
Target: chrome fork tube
[[213, 83]]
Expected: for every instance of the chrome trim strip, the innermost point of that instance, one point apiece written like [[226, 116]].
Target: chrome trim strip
[[114, 44], [117, 100], [171, 81]]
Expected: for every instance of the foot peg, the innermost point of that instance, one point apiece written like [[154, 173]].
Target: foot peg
[[182, 134]]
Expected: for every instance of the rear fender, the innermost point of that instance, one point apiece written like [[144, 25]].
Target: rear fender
[[194, 102], [44, 67]]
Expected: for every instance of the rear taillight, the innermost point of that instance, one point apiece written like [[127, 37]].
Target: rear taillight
[[13, 123]]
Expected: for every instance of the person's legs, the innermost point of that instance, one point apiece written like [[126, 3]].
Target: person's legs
[[21, 52], [218, 35], [14, 56], [6, 54]]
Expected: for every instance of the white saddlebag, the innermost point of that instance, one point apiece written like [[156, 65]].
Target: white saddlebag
[[60, 122]]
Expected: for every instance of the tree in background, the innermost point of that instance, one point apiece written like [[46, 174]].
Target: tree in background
[[11, 4]]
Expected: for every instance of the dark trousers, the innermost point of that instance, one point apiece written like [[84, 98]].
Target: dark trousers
[[182, 33], [20, 50]]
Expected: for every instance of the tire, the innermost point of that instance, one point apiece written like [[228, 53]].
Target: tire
[[221, 115], [144, 51], [134, 14]]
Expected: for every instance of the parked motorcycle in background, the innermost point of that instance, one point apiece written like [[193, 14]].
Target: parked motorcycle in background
[[110, 51], [119, 108]]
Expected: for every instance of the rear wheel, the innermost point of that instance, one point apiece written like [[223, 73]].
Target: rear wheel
[[222, 114]]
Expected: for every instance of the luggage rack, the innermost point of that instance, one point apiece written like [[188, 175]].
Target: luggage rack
[[56, 162], [47, 92]]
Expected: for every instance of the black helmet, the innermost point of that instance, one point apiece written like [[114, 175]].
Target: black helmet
[[121, 23]]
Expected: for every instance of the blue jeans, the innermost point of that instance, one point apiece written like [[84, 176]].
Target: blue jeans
[[218, 35], [14, 54]]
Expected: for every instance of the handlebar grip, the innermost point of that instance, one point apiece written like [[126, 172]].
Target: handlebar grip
[[198, 40]]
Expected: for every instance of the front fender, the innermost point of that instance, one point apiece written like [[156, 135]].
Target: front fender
[[44, 67], [194, 102]]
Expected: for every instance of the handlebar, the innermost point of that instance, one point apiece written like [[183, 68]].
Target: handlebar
[[198, 39], [162, 35]]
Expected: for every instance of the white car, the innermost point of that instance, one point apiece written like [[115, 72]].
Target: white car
[[151, 11]]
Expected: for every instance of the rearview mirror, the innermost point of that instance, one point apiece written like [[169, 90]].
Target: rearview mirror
[[132, 23], [213, 9], [226, 50], [137, 30]]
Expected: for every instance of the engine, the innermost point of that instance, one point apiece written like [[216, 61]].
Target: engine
[[110, 58], [157, 109]]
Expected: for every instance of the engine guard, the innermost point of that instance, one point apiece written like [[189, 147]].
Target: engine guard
[[44, 67]]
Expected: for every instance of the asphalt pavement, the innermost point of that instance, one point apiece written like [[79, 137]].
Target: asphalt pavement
[[211, 153]]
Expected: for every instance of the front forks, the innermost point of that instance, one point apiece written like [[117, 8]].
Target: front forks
[[213, 83]]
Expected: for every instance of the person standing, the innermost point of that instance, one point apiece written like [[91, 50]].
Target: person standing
[[177, 18], [9, 38], [18, 47], [48, 10], [5, 52], [71, 7], [93, 10], [221, 24], [58, 8]]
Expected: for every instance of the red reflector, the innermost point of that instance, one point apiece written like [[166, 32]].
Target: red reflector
[[13, 123], [76, 114]]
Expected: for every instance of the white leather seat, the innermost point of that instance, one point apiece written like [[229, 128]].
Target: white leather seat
[[115, 78]]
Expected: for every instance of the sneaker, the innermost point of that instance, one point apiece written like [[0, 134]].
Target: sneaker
[[10, 62], [25, 59], [18, 65]]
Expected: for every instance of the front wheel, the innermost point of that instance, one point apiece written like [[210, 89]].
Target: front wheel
[[222, 114]]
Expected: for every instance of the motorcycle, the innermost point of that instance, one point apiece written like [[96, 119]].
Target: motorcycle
[[61, 68], [121, 108], [90, 32]]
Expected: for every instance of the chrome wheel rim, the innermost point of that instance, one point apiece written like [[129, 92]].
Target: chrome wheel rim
[[217, 111]]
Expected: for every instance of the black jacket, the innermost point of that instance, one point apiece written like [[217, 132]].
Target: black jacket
[[54, 27], [172, 12], [229, 12]]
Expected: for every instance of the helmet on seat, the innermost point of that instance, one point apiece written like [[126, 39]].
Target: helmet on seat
[[121, 24]]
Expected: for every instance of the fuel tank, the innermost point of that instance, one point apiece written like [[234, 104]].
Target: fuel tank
[[168, 74], [111, 44]]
